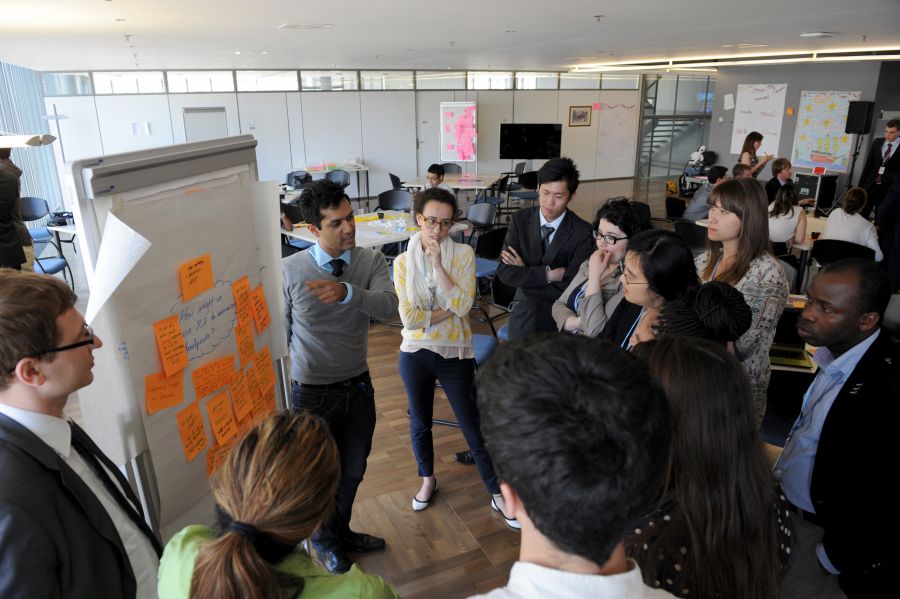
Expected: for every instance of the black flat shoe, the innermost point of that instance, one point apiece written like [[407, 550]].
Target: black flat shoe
[[464, 457], [333, 560], [360, 542], [418, 506]]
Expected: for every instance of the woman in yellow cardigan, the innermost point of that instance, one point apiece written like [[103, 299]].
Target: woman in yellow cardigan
[[435, 282]]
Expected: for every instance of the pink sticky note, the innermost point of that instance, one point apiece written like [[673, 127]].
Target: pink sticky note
[[596, 105], [449, 115], [447, 128], [449, 146]]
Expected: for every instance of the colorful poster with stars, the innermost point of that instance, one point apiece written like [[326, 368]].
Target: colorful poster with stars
[[819, 139]]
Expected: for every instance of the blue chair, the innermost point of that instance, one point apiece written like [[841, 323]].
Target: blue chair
[[481, 216], [52, 266], [503, 333], [528, 184], [36, 209], [298, 179], [484, 345]]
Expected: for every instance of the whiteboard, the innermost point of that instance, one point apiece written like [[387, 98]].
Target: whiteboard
[[759, 107], [617, 135], [819, 139], [459, 132], [202, 122], [187, 200]]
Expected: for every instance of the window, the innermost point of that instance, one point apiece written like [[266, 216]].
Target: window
[[67, 84], [617, 81], [267, 81], [181, 82], [329, 80], [579, 81], [440, 80], [386, 79], [490, 79], [129, 82], [537, 81]]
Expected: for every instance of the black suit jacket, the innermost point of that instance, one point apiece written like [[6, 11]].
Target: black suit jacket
[[572, 244], [56, 539], [874, 161], [854, 472], [773, 185]]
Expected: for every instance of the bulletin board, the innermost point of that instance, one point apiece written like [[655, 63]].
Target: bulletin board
[[192, 330], [819, 139], [459, 132]]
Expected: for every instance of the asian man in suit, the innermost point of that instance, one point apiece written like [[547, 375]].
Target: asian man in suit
[[70, 526], [543, 249], [882, 164]]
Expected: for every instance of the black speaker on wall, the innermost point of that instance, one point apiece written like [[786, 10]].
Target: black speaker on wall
[[859, 117]]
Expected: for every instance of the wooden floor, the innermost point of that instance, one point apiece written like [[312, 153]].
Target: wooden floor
[[458, 546]]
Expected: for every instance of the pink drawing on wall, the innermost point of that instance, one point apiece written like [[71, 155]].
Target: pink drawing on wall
[[466, 134], [596, 105]]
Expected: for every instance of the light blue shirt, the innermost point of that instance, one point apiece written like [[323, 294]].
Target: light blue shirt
[[795, 465], [555, 224], [323, 259]]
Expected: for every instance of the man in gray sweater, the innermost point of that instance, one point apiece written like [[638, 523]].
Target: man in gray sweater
[[330, 292]]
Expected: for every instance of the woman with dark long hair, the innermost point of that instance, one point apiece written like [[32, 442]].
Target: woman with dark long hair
[[719, 529], [275, 488], [752, 143], [738, 254]]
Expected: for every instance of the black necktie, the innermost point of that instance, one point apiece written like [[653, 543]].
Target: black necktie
[[546, 232], [95, 459], [337, 266]]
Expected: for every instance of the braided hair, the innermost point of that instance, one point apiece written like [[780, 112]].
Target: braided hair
[[714, 311]]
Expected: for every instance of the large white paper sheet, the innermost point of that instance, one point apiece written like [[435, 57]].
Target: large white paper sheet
[[120, 251]]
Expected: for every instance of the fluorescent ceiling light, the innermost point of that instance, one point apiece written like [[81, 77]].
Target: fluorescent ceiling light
[[23, 141], [305, 26], [817, 34]]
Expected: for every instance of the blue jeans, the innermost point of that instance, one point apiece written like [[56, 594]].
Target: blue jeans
[[350, 414], [419, 371]]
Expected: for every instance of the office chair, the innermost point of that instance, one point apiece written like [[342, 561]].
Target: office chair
[[36, 209], [395, 199], [297, 179], [338, 176], [693, 234], [451, 168], [396, 183], [827, 251], [481, 216]]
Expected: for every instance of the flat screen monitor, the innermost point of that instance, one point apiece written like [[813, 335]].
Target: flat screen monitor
[[527, 141]]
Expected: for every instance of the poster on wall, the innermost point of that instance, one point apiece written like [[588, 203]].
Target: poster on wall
[[819, 139], [759, 107], [459, 132]]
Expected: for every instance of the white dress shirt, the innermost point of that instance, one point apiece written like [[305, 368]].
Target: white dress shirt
[[56, 433], [853, 228], [555, 224], [531, 581]]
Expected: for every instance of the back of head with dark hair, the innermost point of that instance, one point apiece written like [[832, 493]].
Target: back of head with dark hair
[[5, 153], [667, 262], [433, 194], [580, 431], [787, 199], [874, 292], [854, 200], [752, 138], [715, 311], [436, 169], [320, 195], [739, 170], [715, 173], [624, 214], [560, 169]]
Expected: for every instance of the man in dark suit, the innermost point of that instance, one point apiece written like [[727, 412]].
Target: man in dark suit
[[781, 175], [887, 220], [70, 526], [835, 467], [543, 250], [882, 164]]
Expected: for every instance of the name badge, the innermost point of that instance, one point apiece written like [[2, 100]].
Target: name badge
[[881, 170]]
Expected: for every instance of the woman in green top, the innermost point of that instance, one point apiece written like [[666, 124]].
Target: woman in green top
[[274, 489]]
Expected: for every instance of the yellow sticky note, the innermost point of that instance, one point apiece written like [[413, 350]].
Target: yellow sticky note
[[170, 342], [212, 376], [265, 372], [240, 396], [243, 338], [190, 427], [260, 309], [161, 392], [241, 291], [221, 420], [196, 277]]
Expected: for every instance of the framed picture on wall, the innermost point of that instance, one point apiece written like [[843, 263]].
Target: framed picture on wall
[[579, 116]]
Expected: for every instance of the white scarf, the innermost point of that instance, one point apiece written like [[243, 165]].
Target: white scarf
[[422, 286]]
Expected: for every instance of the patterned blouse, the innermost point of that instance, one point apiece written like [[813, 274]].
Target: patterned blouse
[[765, 289]]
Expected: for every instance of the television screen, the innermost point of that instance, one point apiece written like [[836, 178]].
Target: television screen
[[527, 141]]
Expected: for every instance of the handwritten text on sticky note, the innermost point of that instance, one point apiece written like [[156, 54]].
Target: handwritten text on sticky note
[[161, 392], [190, 428], [196, 277], [241, 290], [243, 338], [212, 376], [221, 419], [260, 309], [170, 342]]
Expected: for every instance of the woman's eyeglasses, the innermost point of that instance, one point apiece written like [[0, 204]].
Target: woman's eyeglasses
[[608, 239], [431, 222]]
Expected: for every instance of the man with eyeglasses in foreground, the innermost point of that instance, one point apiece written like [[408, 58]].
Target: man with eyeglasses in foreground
[[331, 290], [70, 526], [543, 249]]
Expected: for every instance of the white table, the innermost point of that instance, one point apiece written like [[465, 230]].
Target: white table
[[395, 227], [460, 182], [319, 169], [68, 230]]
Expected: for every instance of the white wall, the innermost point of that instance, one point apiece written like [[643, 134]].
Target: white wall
[[392, 131]]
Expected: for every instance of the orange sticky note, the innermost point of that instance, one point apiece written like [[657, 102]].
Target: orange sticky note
[[196, 277], [260, 309], [221, 420], [161, 392], [244, 425], [265, 373], [216, 456], [265, 405], [212, 376], [241, 291], [190, 427], [170, 342], [240, 396], [251, 382], [243, 338]]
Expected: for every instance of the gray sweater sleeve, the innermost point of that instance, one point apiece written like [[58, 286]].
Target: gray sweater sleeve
[[380, 299]]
